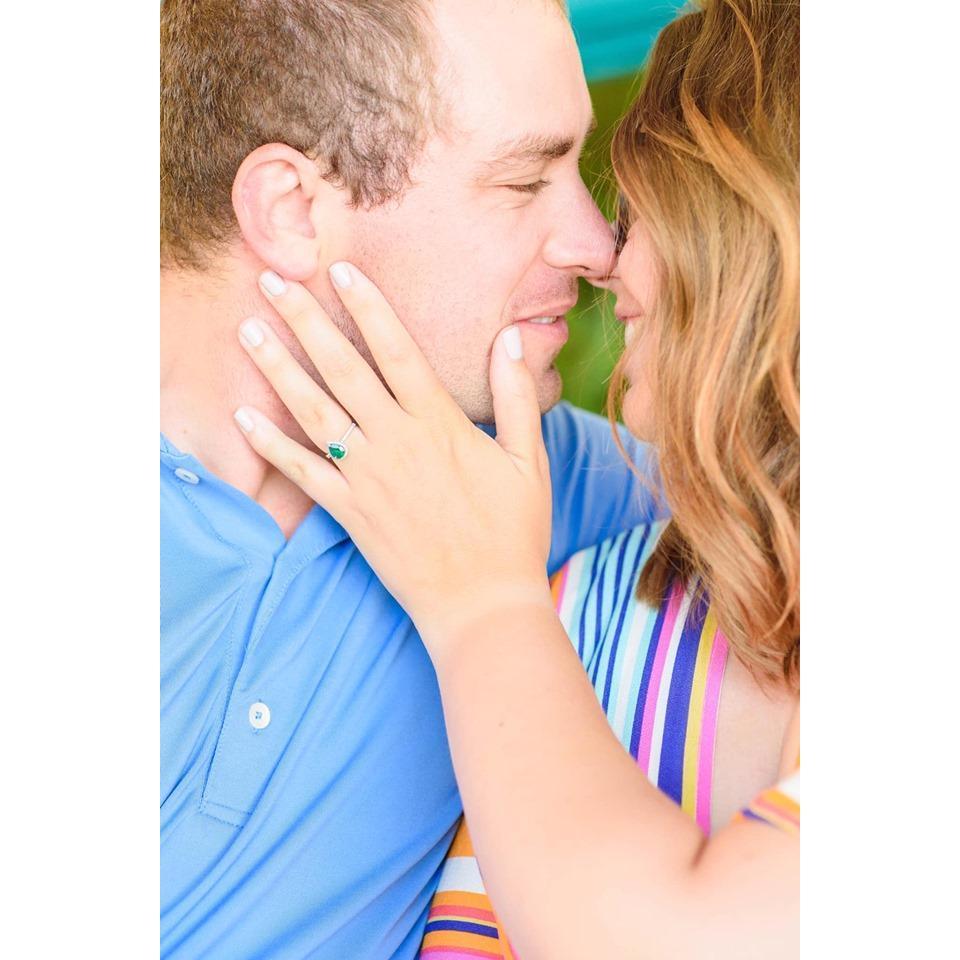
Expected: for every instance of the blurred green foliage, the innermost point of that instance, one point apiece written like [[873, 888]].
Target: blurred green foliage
[[596, 338]]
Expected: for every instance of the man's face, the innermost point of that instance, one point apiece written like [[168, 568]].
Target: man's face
[[498, 224]]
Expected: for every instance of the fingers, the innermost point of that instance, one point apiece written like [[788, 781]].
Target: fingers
[[321, 417], [404, 367], [316, 476], [516, 407], [347, 375]]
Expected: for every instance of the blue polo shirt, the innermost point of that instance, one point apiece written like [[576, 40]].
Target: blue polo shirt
[[307, 794]]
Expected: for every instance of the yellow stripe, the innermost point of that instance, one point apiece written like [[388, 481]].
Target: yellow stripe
[[691, 746]]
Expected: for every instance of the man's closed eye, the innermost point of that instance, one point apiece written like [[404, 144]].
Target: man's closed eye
[[532, 188]]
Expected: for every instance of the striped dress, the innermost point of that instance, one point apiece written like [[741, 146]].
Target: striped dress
[[657, 672]]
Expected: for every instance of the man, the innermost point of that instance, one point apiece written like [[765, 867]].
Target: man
[[307, 795]]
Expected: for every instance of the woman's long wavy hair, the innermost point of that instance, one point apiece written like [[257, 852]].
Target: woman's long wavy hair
[[708, 158]]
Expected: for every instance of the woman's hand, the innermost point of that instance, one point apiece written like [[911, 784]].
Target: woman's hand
[[452, 521]]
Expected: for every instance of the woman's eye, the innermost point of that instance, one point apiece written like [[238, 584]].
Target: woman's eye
[[620, 231], [535, 187], [621, 226]]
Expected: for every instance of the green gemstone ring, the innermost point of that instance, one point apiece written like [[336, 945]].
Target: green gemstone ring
[[337, 449]]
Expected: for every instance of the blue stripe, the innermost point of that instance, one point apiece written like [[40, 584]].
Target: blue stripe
[[670, 775], [583, 613], [627, 600], [596, 653], [463, 927], [621, 549], [647, 670]]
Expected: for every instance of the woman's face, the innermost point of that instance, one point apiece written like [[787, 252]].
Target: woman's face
[[634, 283]]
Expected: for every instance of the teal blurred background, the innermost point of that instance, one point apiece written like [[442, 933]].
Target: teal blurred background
[[615, 37]]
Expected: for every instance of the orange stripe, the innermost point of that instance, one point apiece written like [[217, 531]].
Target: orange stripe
[[458, 938], [462, 845], [778, 803], [460, 898], [557, 582]]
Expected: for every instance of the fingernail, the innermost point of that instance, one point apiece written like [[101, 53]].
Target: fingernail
[[273, 283], [244, 420], [251, 332], [513, 343], [340, 273]]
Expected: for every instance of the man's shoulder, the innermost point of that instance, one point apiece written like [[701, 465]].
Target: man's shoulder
[[567, 429], [576, 436], [565, 417]]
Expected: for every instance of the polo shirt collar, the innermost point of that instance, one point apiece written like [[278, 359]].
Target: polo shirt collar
[[239, 519]]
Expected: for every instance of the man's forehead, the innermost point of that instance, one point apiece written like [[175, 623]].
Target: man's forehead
[[511, 77]]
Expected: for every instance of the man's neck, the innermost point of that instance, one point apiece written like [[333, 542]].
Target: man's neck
[[205, 375]]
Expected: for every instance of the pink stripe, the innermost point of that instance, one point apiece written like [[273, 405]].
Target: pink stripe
[[653, 690], [762, 804], [450, 910], [708, 734], [457, 953]]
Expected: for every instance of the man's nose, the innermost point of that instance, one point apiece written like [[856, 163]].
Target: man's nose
[[582, 241]]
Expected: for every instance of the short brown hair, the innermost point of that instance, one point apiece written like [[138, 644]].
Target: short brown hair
[[349, 84], [709, 159]]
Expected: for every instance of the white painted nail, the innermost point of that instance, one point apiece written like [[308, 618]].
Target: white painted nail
[[252, 332], [244, 420], [273, 283], [513, 343], [340, 273]]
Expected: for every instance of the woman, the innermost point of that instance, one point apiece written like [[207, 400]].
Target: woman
[[581, 854]]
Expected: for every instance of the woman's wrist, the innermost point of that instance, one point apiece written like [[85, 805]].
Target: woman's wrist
[[480, 616]]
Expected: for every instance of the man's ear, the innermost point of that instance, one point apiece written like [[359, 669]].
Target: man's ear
[[274, 194]]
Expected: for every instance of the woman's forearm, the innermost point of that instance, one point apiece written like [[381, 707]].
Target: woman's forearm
[[578, 850]]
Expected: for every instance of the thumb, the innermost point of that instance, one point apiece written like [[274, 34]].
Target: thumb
[[516, 407]]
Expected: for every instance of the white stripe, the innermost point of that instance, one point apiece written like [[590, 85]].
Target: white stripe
[[461, 873], [638, 625], [572, 589], [663, 694], [791, 786], [631, 637]]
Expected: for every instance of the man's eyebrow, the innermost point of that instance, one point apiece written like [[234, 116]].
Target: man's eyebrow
[[532, 148]]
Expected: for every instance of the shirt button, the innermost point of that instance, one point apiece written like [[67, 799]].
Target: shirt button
[[187, 476], [259, 715]]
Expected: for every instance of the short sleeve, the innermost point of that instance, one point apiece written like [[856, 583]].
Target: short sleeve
[[778, 806]]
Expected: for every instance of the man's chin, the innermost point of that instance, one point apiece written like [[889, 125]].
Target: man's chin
[[549, 389], [549, 392]]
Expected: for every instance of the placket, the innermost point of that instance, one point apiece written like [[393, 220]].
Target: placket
[[268, 696]]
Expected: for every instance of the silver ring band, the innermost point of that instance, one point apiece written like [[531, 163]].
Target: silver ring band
[[337, 449]]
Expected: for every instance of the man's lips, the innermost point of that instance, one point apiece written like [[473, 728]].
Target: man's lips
[[555, 330], [549, 314], [548, 324]]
